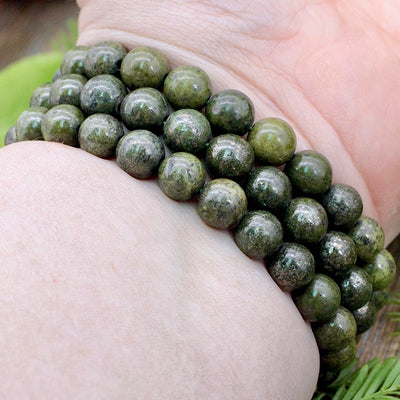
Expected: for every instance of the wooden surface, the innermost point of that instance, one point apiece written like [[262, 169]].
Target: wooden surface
[[26, 27]]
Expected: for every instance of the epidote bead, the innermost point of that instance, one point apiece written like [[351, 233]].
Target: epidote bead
[[67, 90], [292, 267], [181, 176], [339, 359], [222, 203], [382, 270], [187, 87], [259, 234], [310, 172], [306, 220], [104, 58], [144, 108], [74, 61], [99, 135], [343, 205], [11, 136], [273, 141], [139, 153], [379, 298], [187, 130], [102, 94], [365, 317], [368, 237], [229, 156], [41, 96], [319, 300], [28, 126], [144, 67], [230, 111], [57, 74]]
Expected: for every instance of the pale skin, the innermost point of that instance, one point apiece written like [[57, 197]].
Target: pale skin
[[110, 290]]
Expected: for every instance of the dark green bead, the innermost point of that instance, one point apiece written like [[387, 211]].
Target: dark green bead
[[144, 108], [139, 153], [368, 237], [229, 156], [102, 94], [74, 61], [343, 205], [326, 377], [99, 135], [380, 298], [306, 220], [382, 270], [144, 67], [273, 141], [292, 267], [187, 130], [28, 126], [56, 75], [222, 203], [319, 300], [41, 96], [365, 317], [259, 234], [181, 176], [104, 58], [339, 359], [187, 87], [67, 90], [11, 136], [230, 111], [356, 288], [310, 172]]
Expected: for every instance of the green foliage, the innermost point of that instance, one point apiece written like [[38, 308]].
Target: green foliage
[[395, 315]]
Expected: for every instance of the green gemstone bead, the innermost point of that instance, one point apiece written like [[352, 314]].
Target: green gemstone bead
[[326, 377], [259, 234], [365, 317], [139, 153], [382, 270], [11, 136], [292, 267], [74, 61], [222, 203], [319, 300], [368, 237], [102, 94], [144, 67], [67, 90], [28, 126], [99, 134], [339, 359], [230, 111], [187, 87], [181, 176], [144, 108], [56, 75], [380, 298], [187, 130], [273, 140], [229, 156], [41, 96]]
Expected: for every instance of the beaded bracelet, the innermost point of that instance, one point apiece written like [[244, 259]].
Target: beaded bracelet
[[280, 205]]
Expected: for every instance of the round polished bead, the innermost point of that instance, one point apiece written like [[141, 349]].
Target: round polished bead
[[187, 87], [99, 135], [382, 270], [28, 126], [104, 58], [74, 61], [356, 288], [61, 124], [11, 136], [181, 176], [365, 317], [187, 130], [310, 172], [273, 141], [102, 94], [259, 234], [56, 75], [380, 298], [41, 96], [319, 300], [144, 108], [144, 67], [339, 359], [343, 205], [230, 111], [222, 203], [292, 267], [139, 153], [369, 238], [229, 156], [67, 90], [306, 220]]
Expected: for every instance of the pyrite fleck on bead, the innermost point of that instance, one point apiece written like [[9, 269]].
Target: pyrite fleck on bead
[[67, 90], [28, 126], [74, 61], [41, 96], [382, 270], [339, 359]]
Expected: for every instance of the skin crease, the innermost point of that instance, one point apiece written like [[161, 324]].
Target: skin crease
[[110, 290]]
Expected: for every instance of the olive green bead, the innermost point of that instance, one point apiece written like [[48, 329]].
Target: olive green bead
[[380, 298], [99, 134], [365, 317], [319, 300], [57, 75], [144, 67], [187, 130], [187, 87], [273, 140], [382, 270], [181, 176], [222, 203], [67, 90], [28, 126], [74, 61], [229, 156], [41, 96], [292, 267], [230, 111], [11, 136], [259, 234], [368, 237], [139, 153], [339, 359]]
